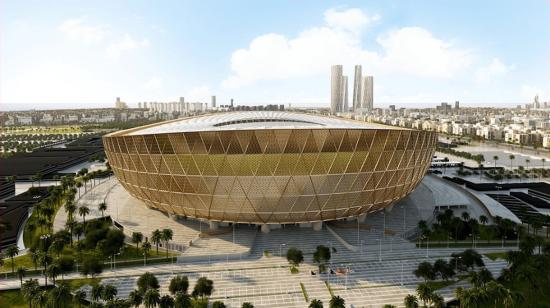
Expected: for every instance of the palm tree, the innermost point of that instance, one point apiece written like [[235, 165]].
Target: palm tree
[[79, 298], [183, 300], [337, 302], [102, 208], [38, 176], [21, 271], [96, 292], [137, 237], [495, 158], [151, 298], [53, 271], [11, 252], [483, 219], [465, 216], [411, 301], [29, 289], [542, 171], [315, 303], [83, 211], [511, 157], [166, 301], [60, 295], [41, 298], [146, 247], [135, 298], [424, 292], [156, 238], [78, 185], [108, 293], [167, 236]]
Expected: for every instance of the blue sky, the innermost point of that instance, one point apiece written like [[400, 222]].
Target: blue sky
[[63, 54]]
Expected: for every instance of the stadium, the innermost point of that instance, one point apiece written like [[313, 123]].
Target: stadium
[[269, 167]]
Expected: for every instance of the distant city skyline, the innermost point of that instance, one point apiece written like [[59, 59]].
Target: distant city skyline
[[63, 54]]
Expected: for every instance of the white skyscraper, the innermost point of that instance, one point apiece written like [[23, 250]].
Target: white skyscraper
[[367, 96], [336, 94], [345, 100], [357, 93]]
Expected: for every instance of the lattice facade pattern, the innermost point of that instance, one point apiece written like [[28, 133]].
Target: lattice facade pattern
[[271, 175]]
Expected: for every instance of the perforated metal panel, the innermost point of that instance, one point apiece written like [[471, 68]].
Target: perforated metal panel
[[271, 175]]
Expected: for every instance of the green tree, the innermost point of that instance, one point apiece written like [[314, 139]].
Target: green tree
[[137, 237], [166, 301], [96, 292], [146, 247], [178, 284], [83, 211], [183, 300], [28, 289], [411, 301], [156, 238], [11, 252], [21, 272], [135, 298], [315, 303], [60, 296], [247, 305], [79, 298], [425, 270], [337, 302], [424, 292], [294, 256], [166, 237], [218, 304], [109, 292], [151, 298], [102, 207], [91, 265], [147, 281], [203, 287]]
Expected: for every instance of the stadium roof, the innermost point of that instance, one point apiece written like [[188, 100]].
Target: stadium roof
[[255, 120]]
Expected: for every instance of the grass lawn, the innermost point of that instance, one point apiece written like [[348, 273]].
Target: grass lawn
[[436, 285], [129, 253], [495, 255], [12, 299]]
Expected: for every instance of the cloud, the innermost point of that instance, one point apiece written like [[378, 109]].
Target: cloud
[[77, 29], [490, 72], [409, 50], [154, 83], [353, 20], [127, 43], [415, 51]]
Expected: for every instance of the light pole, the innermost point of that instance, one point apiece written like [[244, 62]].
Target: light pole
[[362, 247], [503, 240], [384, 227], [404, 218], [472, 239], [357, 229], [456, 264], [402, 265], [379, 250], [233, 232]]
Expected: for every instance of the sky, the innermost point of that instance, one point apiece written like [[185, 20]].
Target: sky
[[68, 54]]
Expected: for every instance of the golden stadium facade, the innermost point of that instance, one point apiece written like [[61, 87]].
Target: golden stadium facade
[[269, 167]]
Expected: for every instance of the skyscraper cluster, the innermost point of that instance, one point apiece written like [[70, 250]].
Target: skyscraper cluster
[[362, 98]]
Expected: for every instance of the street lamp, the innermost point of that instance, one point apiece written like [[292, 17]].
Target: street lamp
[[404, 218], [379, 250], [384, 228], [456, 263]]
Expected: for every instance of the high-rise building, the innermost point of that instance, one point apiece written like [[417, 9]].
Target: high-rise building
[[357, 93], [231, 103], [367, 94], [336, 90], [457, 105], [213, 101], [345, 100]]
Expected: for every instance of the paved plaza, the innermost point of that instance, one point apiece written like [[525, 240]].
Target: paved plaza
[[248, 265]]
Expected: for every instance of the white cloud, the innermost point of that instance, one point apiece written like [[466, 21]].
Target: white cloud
[[410, 50], [353, 20], [490, 72], [77, 29], [127, 43], [154, 83], [415, 51]]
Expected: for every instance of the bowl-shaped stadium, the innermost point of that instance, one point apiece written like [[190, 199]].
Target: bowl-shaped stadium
[[268, 167]]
